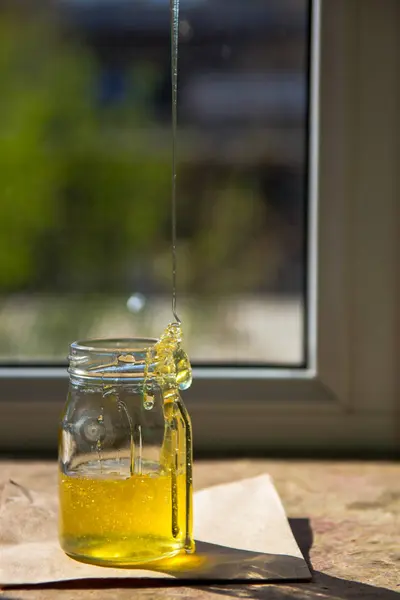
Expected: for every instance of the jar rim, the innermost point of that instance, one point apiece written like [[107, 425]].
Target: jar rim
[[112, 358], [107, 345]]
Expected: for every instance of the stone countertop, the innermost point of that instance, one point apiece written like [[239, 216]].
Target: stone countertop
[[345, 517]]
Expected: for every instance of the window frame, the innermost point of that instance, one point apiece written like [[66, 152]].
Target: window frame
[[347, 400]]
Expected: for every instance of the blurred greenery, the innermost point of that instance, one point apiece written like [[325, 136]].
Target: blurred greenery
[[70, 210], [79, 215]]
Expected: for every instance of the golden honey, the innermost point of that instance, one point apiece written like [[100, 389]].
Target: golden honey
[[122, 521]]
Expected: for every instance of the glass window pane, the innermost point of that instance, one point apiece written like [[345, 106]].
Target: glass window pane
[[85, 152]]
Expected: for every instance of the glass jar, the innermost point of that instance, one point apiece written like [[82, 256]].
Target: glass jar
[[125, 452]]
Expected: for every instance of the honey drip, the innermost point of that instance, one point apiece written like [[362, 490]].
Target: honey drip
[[172, 370], [171, 365]]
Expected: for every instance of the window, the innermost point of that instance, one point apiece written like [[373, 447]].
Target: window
[[87, 230], [333, 388]]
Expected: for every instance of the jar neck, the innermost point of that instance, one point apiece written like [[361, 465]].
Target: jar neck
[[136, 361]]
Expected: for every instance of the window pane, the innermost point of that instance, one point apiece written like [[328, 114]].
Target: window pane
[[85, 151]]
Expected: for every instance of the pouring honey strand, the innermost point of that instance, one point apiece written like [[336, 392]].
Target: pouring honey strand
[[174, 11]]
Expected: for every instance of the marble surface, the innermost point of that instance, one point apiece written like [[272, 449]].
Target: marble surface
[[345, 516]]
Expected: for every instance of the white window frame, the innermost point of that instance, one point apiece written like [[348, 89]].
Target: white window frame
[[347, 400]]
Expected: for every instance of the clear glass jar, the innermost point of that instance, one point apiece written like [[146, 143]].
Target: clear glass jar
[[125, 453]]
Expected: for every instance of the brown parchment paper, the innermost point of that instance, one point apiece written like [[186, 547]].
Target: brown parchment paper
[[241, 533]]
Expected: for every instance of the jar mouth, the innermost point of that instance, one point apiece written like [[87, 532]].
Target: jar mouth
[[112, 345], [112, 359]]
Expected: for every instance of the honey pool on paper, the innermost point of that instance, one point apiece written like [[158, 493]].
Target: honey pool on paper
[[122, 521]]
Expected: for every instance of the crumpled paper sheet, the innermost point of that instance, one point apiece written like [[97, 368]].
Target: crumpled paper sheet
[[241, 533]]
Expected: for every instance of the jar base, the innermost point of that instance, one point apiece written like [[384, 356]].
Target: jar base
[[107, 552]]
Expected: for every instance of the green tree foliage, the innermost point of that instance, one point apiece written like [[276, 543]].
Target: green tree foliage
[[72, 208]]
